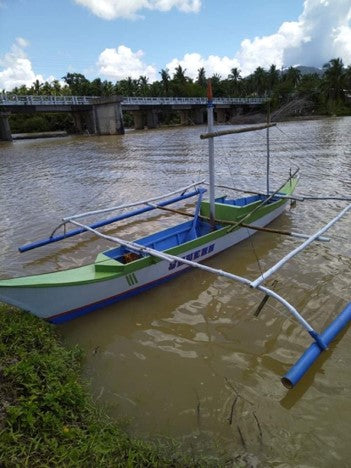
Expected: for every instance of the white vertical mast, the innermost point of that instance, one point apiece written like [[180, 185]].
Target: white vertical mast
[[211, 152], [268, 149]]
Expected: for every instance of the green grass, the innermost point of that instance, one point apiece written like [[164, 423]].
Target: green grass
[[46, 416]]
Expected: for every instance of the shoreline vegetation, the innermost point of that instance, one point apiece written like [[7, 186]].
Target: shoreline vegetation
[[47, 417], [293, 92]]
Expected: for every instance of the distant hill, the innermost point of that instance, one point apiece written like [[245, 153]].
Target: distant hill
[[309, 70]]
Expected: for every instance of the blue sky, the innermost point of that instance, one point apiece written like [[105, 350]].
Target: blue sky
[[112, 39]]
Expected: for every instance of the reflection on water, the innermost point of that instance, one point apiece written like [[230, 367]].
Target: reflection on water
[[189, 359]]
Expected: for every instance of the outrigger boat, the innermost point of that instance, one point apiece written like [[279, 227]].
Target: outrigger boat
[[134, 267]]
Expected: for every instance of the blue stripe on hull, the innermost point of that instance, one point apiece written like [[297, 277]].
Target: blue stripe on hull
[[72, 314]]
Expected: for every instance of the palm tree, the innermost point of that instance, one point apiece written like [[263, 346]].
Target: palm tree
[[179, 74], [36, 87], [127, 87], [235, 78], [259, 80], [334, 80], [107, 88], [143, 85], [234, 75], [293, 76], [201, 77], [56, 87], [165, 79], [272, 77]]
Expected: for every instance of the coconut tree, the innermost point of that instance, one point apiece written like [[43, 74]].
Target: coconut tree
[[259, 81], [143, 85], [179, 75], [334, 80], [165, 79], [273, 76], [180, 82], [127, 87], [293, 76], [235, 79], [36, 87], [201, 77]]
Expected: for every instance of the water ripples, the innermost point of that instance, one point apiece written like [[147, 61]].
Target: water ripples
[[174, 359]]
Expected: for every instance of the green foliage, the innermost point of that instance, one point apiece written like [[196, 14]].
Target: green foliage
[[325, 94], [27, 123], [46, 416]]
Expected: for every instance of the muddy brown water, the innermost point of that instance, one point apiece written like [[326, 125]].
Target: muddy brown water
[[189, 359]]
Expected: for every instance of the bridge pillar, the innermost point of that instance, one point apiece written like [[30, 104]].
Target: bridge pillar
[[152, 119], [198, 116], [5, 130], [220, 114], [84, 122], [138, 117], [184, 117], [108, 115]]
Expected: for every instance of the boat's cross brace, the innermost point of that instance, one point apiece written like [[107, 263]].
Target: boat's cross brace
[[321, 341], [171, 258], [298, 249]]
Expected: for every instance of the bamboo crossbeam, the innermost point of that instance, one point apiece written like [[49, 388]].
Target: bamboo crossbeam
[[283, 232], [205, 136], [249, 226], [287, 197], [251, 192], [294, 252]]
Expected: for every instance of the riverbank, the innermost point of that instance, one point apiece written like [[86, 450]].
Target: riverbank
[[28, 136], [46, 416]]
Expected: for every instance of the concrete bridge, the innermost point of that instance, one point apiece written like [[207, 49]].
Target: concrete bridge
[[104, 115]]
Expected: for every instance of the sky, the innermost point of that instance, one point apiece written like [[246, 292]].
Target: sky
[[114, 39]]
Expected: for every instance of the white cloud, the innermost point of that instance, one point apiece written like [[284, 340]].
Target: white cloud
[[17, 69], [111, 9], [123, 62], [212, 64], [322, 32]]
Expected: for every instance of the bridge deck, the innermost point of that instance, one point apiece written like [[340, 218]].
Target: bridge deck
[[11, 100]]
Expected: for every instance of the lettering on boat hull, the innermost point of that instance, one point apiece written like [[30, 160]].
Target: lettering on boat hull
[[193, 256]]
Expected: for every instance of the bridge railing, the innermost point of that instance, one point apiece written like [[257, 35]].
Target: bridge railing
[[154, 101], [13, 100]]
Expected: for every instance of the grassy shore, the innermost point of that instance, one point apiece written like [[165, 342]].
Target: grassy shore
[[46, 416]]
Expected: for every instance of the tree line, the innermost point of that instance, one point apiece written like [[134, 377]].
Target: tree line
[[326, 92]]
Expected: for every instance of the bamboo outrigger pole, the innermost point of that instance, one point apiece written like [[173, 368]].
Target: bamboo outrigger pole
[[55, 238]]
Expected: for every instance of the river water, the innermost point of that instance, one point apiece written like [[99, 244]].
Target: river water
[[189, 359]]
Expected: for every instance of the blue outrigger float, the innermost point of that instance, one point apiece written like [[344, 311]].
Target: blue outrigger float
[[134, 267]]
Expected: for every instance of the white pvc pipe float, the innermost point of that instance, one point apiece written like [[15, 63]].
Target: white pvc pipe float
[[129, 205]]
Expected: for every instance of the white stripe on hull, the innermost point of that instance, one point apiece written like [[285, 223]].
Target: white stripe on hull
[[46, 302]]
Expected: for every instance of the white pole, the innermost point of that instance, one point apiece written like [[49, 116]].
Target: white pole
[[142, 202], [268, 149], [211, 167]]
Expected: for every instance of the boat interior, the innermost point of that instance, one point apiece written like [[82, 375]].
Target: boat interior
[[181, 233], [244, 201], [163, 240]]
